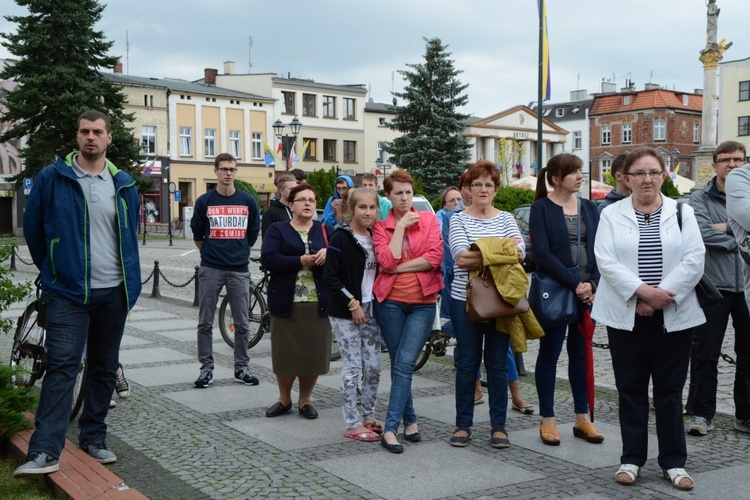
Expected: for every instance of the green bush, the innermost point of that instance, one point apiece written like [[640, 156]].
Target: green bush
[[246, 187], [13, 402], [323, 183], [668, 188], [509, 198]]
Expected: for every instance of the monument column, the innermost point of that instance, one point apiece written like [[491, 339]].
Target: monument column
[[710, 56]]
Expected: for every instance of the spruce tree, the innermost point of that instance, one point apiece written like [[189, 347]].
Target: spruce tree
[[59, 52], [431, 147]]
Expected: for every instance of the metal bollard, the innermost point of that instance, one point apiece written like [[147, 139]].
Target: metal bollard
[[197, 286], [155, 293], [519, 364], [13, 260]]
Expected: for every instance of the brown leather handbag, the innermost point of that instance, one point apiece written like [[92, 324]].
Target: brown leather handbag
[[485, 302]]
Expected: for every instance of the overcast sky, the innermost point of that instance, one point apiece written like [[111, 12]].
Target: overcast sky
[[494, 42]]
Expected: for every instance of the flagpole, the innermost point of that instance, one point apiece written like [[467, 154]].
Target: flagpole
[[540, 96]]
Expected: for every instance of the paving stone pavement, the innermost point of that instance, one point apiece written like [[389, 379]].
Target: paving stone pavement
[[174, 441]]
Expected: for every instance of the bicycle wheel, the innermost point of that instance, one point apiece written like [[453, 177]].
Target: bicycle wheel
[[28, 350], [78, 391], [260, 322], [425, 354]]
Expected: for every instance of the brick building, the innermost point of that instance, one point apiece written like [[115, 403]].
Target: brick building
[[667, 120]]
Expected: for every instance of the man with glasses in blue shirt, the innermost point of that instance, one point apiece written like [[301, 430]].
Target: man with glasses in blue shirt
[[225, 226]]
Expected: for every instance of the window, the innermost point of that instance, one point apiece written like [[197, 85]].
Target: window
[[148, 139], [329, 150], [382, 121], [312, 149], [660, 130], [745, 91], [288, 102], [349, 113], [234, 143], [577, 140], [606, 166], [257, 146], [627, 133], [626, 100], [744, 128], [329, 106], [308, 105], [186, 141], [148, 100], [559, 112], [210, 142], [696, 132], [685, 100], [606, 134], [350, 151]]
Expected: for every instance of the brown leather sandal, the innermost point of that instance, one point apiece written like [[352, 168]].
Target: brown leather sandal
[[549, 430]]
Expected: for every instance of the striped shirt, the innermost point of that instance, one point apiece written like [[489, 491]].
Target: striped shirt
[[650, 258], [465, 230]]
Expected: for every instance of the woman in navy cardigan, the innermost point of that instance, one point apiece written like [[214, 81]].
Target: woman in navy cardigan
[[553, 223], [294, 252]]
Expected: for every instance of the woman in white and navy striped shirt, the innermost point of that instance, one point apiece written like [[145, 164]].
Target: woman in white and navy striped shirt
[[649, 268], [480, 220]]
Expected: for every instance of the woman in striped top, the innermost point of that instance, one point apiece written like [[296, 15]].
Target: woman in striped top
[[479, 220], [649, 268], [554, 223]]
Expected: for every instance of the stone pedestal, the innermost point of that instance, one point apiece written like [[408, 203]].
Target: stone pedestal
[[703, 159]]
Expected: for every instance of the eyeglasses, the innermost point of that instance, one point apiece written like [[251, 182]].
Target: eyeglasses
[[311, 201], [737, 161], [642, 175], [479, 185], [225, 170]]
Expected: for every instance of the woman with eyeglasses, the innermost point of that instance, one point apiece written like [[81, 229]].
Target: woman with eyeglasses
[[556, 220], [649, 268], [409, 250], [294, 252]]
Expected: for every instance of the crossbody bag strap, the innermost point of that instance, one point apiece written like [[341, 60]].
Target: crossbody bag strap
[[679, 215], [578, 251]]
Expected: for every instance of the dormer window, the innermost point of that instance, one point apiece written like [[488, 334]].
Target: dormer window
[[576, 109], [685, 100], [626, 100], [559, 112]]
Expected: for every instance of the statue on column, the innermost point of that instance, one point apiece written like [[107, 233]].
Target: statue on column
[[713, 53]]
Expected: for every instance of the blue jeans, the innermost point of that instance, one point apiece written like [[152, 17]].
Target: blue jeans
[[550, 347], [405, 329], [71, 328], [471, 337]]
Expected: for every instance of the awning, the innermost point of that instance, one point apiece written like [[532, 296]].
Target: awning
[[262, 184]]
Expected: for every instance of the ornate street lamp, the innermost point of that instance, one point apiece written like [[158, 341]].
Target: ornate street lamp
[[286, 143]]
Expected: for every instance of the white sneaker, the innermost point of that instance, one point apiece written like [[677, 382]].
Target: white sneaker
[[112, 403], [700, 426]]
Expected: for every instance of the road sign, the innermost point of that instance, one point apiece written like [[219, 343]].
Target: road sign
[[177, 196], [172, 187], [27, 183]]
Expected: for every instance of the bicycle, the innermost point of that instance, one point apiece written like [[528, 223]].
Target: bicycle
[[176, 226], [437, 343], [29, 352], [258, 315]]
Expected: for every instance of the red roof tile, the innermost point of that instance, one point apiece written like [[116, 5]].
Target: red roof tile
[[646, 99]]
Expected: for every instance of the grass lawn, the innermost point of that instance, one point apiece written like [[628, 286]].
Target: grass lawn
[[18, 489]]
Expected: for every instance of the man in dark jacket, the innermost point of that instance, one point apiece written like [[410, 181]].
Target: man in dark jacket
[[278, 210], [621, 190], [80, 226], [724, 267]]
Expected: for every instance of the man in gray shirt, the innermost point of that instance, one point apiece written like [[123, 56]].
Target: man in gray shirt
[[80, 226]]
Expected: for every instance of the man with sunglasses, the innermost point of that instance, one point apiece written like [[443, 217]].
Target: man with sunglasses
[[225, 226]]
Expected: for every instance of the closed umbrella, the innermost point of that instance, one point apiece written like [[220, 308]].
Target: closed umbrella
[[586, 326]]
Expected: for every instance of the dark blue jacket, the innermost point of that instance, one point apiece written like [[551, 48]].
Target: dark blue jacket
[[549, 235], [280, 253], [56, 228]]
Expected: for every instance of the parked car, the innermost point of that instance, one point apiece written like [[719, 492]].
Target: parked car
[[422, 204], [521, 215]]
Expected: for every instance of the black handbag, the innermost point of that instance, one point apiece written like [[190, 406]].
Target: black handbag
[[553, 303], [708, 294]]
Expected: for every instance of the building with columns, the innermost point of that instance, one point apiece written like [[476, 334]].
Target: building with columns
[[518, 124]]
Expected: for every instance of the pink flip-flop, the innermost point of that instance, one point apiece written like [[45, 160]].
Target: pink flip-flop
[[367, 437], [374, 426]]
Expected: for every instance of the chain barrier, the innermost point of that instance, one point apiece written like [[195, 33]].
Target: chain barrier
[[725, 357], [148, 279], [176, 286]]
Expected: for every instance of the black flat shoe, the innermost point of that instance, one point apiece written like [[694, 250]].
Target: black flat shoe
[[278, 409], [460, 441], [499, 442], [413, 438], [393, 448], [308, 411]]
